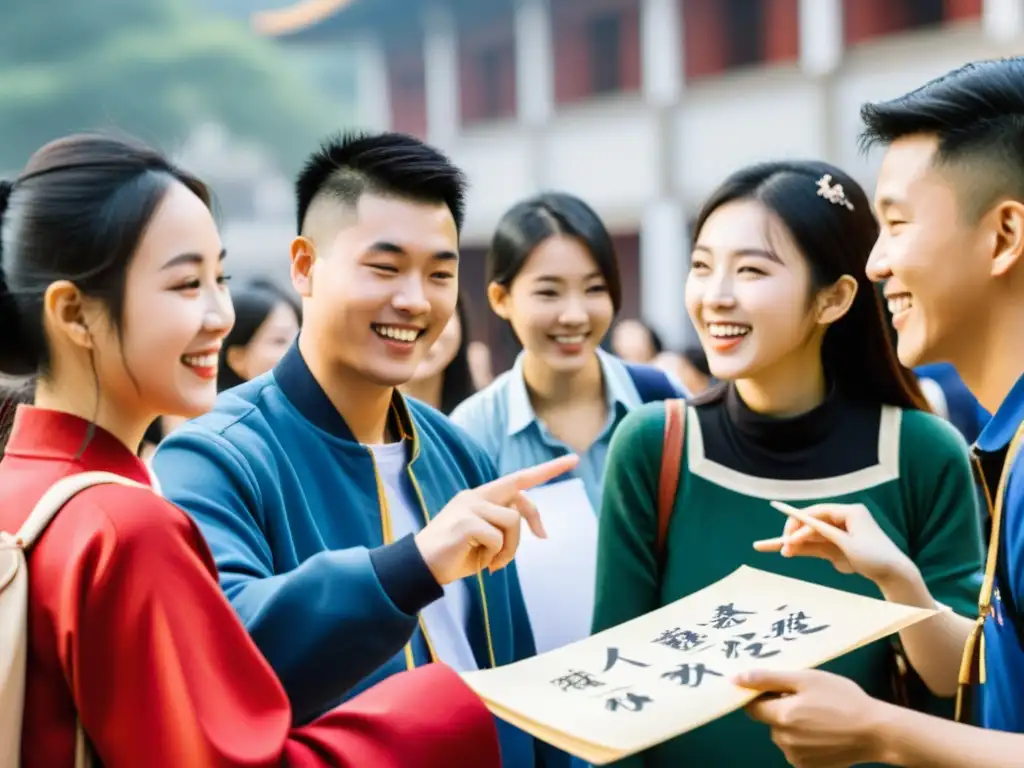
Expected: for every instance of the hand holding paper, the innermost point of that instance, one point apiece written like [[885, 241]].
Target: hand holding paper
[[822, 720], [844, 534], [480, 528]]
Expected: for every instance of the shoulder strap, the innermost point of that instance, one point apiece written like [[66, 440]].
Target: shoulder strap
[[59, 494], [14, 629], [671, 465], [972, 665], [651, 383], [1006, 595]]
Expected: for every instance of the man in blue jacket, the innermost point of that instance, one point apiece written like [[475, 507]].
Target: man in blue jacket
[[341, 515]]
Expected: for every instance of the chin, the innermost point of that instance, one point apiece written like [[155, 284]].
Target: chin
[[391, 375], [912, 353]]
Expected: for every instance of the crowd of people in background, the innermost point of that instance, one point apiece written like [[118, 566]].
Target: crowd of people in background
[[314, 495]]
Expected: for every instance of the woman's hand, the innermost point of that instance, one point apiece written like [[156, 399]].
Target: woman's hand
[[844, 534]]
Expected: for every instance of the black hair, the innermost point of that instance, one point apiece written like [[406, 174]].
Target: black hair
[[977, 114], [76, 213], [347, 166], [457, 379], [696, 357], [529, 223], [858, 355], [253, 304]]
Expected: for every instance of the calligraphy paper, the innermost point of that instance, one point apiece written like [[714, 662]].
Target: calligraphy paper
[[643, 682], [558, 574]]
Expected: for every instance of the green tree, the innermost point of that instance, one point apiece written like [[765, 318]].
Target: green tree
[[153, 68]]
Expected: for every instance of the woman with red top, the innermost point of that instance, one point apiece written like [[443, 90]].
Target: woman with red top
[[112, 294]]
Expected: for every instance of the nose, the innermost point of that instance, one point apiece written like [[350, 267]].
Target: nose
[[219, 317], [410, 297], [574, 311], [878, 270], [718, 291]]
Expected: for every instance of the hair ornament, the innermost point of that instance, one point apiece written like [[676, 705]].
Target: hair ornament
[[832, 192]]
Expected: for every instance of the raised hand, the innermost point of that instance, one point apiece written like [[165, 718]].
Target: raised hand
[[844, 534], [479, 528]]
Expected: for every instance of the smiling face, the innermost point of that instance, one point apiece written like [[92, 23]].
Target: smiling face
[[177, 311], [558, 304], [749, 294], [935, 264], [380, 287]]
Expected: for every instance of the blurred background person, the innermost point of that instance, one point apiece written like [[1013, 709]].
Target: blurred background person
[[266, 324], [443, 379]]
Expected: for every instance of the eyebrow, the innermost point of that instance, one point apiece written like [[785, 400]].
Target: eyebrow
[[890, 202], [383, 246], [596, 274], [191, 258], [758, 252]]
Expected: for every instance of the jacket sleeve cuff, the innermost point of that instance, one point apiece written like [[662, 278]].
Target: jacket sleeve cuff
[[404, 576]]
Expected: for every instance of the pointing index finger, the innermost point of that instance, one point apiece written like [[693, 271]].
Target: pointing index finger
[[504, 489], [827, 530]]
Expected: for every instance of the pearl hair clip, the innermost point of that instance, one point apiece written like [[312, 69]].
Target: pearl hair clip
[[833, 192]]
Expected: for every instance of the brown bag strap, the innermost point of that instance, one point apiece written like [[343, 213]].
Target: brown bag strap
[[671, 464]]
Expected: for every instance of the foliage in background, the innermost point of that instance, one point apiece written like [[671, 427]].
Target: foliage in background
[[153, 68]]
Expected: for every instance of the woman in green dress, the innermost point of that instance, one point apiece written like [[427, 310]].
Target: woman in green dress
[[813, 406]]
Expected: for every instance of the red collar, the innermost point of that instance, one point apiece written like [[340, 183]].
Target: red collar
[[43, 434]]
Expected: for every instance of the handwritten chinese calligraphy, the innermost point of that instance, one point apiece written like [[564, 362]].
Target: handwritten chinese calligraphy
[[794, 624], [576, 680], [630, 702], [727, 616], [613, 656], [690, 675], [681, 639]]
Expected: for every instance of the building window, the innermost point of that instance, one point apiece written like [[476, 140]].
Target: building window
[[487, 71], [604, 48], [868, 19], [719, 35], [597, 48]]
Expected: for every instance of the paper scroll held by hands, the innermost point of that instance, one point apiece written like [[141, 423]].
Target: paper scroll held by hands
[[636, 685]]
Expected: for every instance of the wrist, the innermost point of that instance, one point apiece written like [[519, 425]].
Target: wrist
[[884, 735], [902, 582]]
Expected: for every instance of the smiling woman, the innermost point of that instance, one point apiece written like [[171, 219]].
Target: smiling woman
[[814, 407], [112, 294]]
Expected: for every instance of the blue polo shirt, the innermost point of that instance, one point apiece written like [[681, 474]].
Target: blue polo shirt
[[1002, 696], [501, 418]]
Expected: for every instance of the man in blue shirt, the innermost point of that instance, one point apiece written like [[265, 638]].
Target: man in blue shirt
[[340, 515], [950, 200]]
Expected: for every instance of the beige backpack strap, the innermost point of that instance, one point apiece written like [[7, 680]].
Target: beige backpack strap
[[14, 576]]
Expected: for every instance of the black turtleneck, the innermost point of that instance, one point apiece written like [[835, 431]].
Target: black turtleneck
[[835, 438]]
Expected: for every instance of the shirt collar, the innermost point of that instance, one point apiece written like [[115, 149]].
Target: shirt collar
[[39, 433], [297, 383], [1001, 427], [520, 409]]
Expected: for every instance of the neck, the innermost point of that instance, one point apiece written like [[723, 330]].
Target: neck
[[124, 423], [548, 387], [787, 389], [990, 361], [362, 404], [426, 390]]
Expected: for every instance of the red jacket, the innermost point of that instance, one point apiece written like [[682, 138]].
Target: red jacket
[[129, 631]]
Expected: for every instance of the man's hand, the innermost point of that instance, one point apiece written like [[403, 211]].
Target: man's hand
[[844, 534], [820, 720], [480, 528]]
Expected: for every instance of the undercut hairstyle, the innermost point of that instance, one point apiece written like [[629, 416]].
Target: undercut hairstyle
[[395, 165], [976, 113]]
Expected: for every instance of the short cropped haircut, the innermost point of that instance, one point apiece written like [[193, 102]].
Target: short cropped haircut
[[976, 113], [347, 166]]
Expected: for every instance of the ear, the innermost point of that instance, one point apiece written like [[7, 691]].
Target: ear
[[497, 296], [64, 310], [235, 359], [835, 301], [303, 254], [1009, 237]]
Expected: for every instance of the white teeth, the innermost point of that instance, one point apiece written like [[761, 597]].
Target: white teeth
[[398, 334], [577, 339], [727, 330], [200, 361], [900, 303]]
